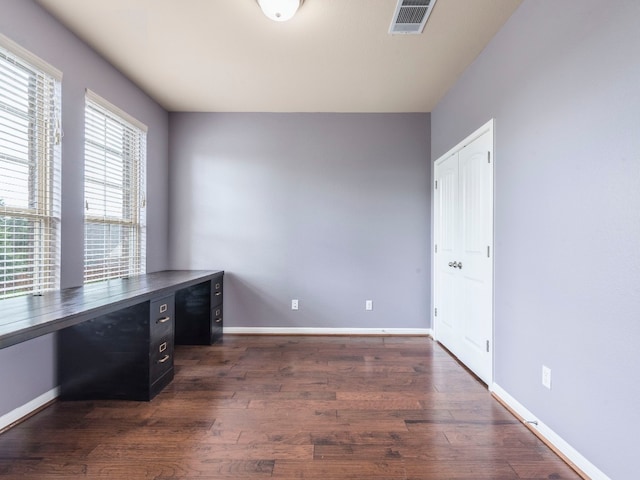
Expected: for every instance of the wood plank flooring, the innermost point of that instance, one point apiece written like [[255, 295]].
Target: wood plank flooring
[[287, 408]]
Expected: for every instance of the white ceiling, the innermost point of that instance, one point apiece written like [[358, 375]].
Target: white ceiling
[[333, 56]]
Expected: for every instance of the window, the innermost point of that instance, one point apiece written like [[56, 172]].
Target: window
[[114, 192], [29, 173]]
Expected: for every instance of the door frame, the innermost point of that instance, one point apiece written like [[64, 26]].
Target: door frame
[[487, 127]]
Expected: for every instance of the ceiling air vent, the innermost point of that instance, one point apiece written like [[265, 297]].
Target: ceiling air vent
[[411, 16]]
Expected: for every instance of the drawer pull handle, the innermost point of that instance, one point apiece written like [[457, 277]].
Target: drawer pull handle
[[218, 294], [163, 347], [163, 308], [218, 320], [163, 320], [164, 359]]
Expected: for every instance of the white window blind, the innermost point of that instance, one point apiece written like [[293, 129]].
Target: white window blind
[[29, 173], [114, 192]]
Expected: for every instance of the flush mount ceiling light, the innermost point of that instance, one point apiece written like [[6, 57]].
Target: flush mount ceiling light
[[280, 10]]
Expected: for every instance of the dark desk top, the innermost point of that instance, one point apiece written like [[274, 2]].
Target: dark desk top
[[26, 317]]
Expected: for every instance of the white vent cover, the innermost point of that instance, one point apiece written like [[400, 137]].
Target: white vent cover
[[411, 16]]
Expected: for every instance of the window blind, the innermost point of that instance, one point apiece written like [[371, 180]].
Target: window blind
[[29, 173], [114, 192]]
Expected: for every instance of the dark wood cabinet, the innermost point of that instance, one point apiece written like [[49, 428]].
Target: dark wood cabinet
[[127, 354], [199, 318]]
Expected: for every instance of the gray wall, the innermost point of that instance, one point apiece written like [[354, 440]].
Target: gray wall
[[29, 367], [562, 81], [331, 209]]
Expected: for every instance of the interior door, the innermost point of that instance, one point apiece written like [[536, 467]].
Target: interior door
[[475, 266], [463, 223], [446, 240]]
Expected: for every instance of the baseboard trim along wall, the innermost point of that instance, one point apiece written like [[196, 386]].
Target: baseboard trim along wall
[[327, 331], [548, 436], [28, 409]]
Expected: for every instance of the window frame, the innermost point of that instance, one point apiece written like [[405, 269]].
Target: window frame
[[130, 227], [43, 164]]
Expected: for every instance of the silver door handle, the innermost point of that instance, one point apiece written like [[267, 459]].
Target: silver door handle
[[460, 265]]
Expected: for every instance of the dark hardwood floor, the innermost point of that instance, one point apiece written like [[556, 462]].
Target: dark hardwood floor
[[286, 408]]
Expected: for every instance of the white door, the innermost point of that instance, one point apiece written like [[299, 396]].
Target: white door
[[463, 262], [446, 240]]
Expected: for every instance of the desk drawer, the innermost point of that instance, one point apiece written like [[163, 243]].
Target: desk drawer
[[217, 286], [217, 322], [161, 358], [161, 319]]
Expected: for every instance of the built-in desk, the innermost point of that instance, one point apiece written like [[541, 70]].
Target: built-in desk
[[116, 338]]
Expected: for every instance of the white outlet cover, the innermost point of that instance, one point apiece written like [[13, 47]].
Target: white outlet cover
[[546, 377], [368, 305], [294, 304]]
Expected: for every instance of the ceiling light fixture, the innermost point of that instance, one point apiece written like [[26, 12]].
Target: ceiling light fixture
[[280, 10]]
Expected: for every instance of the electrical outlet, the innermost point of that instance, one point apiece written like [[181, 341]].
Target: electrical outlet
[[546, 377], [294, 304], [368, 305]]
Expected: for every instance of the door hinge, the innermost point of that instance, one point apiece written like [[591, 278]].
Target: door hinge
[[487, 346], [488, 251], [436, 248], [436, 184], [488, 157], [436, 312]]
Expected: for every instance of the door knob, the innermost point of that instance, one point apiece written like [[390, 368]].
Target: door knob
[[460, 265], [455, 265], [451, 264]]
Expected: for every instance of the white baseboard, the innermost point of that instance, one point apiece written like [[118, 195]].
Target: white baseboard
[[327, 331], [549, 435], [21, 412]]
